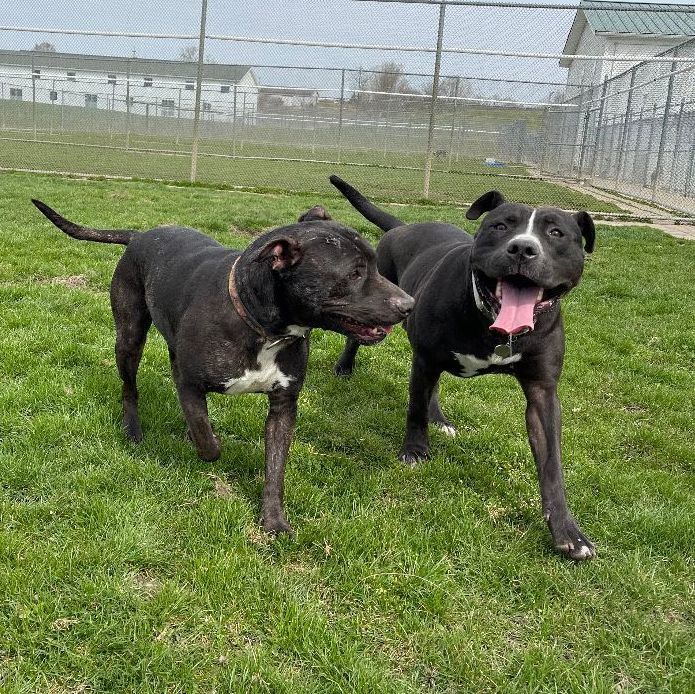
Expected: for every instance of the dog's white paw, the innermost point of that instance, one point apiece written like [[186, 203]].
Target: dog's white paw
[[446, 429]]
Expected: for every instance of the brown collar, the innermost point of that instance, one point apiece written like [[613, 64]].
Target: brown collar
[[247, 317]]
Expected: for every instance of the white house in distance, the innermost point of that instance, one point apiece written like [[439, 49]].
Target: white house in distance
[[162, 87], [289, 98], [639, 29]]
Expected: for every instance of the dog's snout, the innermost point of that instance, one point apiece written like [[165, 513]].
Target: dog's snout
[[524, 248], [403, 304]]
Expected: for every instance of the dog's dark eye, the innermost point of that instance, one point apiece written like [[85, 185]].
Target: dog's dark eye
[[501, 226], [556, 232]]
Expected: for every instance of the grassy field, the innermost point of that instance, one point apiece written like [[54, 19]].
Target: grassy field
[[267, 159], [142, 569]]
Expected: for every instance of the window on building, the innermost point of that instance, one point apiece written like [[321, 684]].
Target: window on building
[[224, 89], [147, 82], [72, 76], [190, 85], [111, 79], [168, 108], [36, 73], [15, 93], [90, 100]]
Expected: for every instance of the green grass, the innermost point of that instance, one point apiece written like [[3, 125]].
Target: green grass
[[157, 153], [142, 569]]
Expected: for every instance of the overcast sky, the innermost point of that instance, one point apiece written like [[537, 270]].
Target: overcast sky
[[324, 20]]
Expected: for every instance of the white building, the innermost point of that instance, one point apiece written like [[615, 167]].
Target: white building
[[636, 30], [159, 87], [288, 97]]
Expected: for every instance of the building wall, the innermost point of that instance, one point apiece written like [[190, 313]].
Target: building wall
[[165, 96]]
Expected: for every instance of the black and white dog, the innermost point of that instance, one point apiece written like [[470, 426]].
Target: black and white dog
[[488, 304], [238, 322]]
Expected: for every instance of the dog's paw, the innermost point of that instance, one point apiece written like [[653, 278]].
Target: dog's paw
[[276, 524], [343, 370], [569, 540], [132, 429], [133, 432], [209, 451], [411, 454], [447, 428]]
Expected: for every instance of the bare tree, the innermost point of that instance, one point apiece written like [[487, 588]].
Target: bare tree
[[450, 86], [189, 54], [45, 47]]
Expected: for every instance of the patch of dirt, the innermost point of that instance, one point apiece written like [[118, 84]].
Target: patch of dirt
[[145, 583], [64, 623], [222, 490], [71, 281], [243, 231]]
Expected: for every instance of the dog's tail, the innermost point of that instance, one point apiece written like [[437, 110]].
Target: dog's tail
[[122, 236], [366, 208]]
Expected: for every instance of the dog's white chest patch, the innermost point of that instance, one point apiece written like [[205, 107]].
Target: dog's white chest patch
[[472, 365], [268, 376]]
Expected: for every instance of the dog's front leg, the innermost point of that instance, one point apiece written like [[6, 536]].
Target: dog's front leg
[[423, 381], [543, 422], [195, 410], [279, 428]]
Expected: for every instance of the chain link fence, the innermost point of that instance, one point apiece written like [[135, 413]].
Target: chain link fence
[[634, 133], [369, 97]]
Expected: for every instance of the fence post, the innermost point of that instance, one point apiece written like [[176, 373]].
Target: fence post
[[33, 96], [649, 146], [582, 153], [340, 113], [599, 120], [664, 125], [198, 90], [453, 120], [127, 106], [234, 125], [433, 103], [638, 141], [677, 142], [178, 121], [624, 130]]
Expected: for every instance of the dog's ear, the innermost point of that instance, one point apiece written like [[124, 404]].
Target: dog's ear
[[485, 203], [586, 226], [315, 213], [284, 252]]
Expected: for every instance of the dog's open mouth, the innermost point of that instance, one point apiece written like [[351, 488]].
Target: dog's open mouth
[[363, 333], [514, 302]]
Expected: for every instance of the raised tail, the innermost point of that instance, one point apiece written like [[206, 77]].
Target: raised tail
[[366, 208], [122, 236]]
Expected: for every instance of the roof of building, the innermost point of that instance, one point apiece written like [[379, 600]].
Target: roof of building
[[643, 19], [287, 91], [122, 66]]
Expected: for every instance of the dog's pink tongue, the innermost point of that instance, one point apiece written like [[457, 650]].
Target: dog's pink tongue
[[516, 312]]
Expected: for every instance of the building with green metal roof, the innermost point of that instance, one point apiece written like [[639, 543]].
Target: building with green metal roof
[[640, 29]]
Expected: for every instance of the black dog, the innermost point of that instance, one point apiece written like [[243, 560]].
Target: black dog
[[488, 304], [238, 322]]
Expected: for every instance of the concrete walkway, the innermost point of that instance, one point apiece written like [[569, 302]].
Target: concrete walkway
[[659, 219]]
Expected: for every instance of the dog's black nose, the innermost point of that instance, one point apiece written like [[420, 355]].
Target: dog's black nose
[[524, 247], [404, 305]]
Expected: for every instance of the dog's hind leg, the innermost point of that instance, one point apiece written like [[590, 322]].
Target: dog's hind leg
[[437, 417], [346, 363], [423, 381], [133, 320]]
